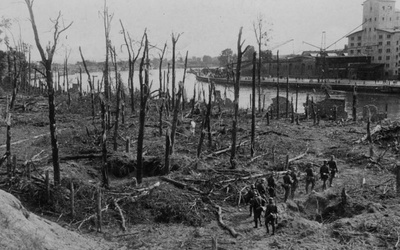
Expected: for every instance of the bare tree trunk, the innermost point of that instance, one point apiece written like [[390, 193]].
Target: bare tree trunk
[[47, 62], [144, 93], [236, 101], [253, 105], [183, 82], [175, 118], [167, 149], [104, 118], [208, 116], [174, 41], [287, 97], [131, 63], [118, 95], [91, 84], [160, 71], [277, 86]]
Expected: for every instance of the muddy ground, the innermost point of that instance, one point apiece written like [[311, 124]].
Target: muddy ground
[[169, 217]]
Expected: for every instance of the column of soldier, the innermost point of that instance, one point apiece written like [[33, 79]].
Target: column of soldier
[[266, 190]]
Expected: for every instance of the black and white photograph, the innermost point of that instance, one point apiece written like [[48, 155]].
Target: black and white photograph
[[199, 124]]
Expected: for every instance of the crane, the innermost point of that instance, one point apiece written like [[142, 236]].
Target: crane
[[281, 44]]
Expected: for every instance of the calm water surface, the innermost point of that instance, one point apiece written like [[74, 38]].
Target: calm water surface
[[377, 99]]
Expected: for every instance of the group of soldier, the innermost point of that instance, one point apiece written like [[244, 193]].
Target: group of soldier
[[265, 190]]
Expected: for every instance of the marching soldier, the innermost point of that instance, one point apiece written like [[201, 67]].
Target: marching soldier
[[271, 215]]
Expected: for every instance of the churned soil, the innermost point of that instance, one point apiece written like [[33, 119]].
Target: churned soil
[[168, 216]]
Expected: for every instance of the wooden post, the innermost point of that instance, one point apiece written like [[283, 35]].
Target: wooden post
[[98, 209], [72, 200], [123, 113], [267, 118], [277, 86], [297, 120], [128, 144], [354, 104], [9, 166], [47, 183], [344, 197], [386, 109]]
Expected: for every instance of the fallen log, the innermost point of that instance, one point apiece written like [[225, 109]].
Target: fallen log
[[231, 230], [182, 185], [123, 224], [135, 191], [226, 149], [244, 178], [298, 157]]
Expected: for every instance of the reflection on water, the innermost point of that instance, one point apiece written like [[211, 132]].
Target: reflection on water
[[378, 99]]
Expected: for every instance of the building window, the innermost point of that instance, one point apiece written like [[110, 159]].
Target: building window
[[352, 38], [388, 36], [387, 65], [375, 19], [358, 51], [359, 38], [351, 52], [380, 43], [379, 50], [380, 36], [379, 58], [387, 50], [351, 44], [358, 44], [383, 19], [388, 43], [387, 58]]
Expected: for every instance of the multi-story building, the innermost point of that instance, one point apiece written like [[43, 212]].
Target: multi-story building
[[379, 37]]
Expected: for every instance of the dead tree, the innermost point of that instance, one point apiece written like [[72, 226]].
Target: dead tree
[[118, 99], [260, 36], [236, 101], [183, 81], [161, 94], [107, 18], [175, 117], [131, 63], [174, 41], [277, 85], [253, 105], [91, 84], [104, 118], [47, 63], [206, 120], [144, 95]]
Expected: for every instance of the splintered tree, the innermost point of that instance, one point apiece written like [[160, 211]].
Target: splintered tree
[[161, 94], [144, 95], [253, 105], [131, 63], [236, 101], [48, 74], [174, 41], [107, 18]]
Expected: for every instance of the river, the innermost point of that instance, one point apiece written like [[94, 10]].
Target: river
[[378, 99]]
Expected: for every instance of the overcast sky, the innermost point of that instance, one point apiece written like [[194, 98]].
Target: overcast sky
[[208, 26]]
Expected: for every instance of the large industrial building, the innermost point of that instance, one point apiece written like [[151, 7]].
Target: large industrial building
[[372, 53], [379, 37]]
